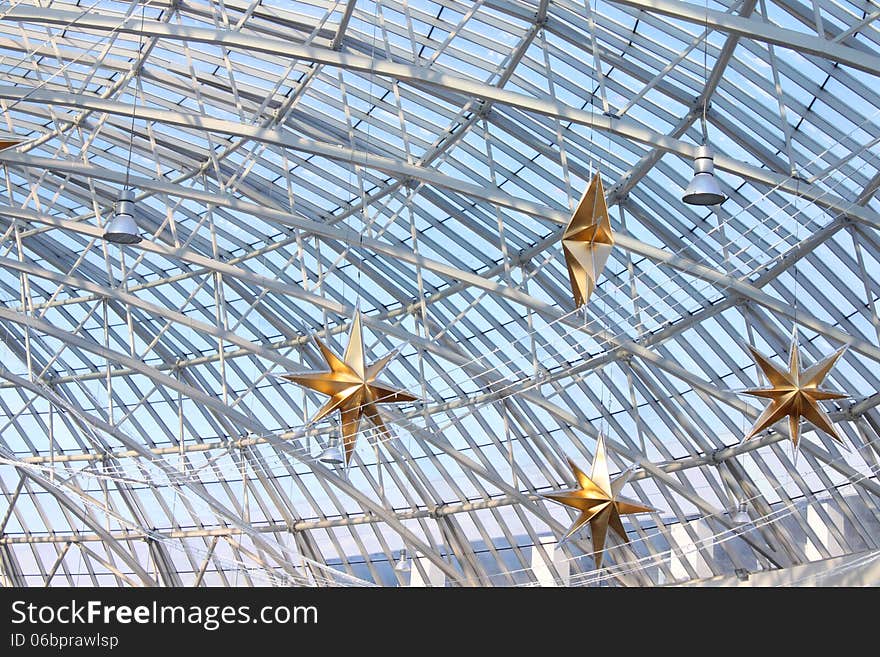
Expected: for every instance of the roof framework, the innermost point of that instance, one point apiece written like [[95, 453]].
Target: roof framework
[[420, 159]]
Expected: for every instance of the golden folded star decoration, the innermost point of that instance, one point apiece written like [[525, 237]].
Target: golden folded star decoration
[[795, 393], [352, 385], [598, 499], [587, 241]]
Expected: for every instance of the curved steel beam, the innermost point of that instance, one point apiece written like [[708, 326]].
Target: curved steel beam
[[279, 137], [759, 30]]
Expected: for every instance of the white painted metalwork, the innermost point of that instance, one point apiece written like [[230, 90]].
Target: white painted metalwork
[[295, 158]]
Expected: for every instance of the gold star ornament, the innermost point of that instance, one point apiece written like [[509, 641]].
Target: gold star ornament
[[353, 386], [587, 241], [795, 393], [598, 499]]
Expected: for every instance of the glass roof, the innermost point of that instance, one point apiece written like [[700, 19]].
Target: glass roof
[[296, 161]]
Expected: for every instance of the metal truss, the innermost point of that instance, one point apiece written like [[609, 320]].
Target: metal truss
[[418, 159]]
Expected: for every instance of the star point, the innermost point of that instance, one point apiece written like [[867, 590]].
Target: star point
[[9, 141], [353, 387], [599, 502]]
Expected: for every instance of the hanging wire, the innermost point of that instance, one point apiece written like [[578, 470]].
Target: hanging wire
[[137, 76], [797, 240], [705, 103], [366, 220]]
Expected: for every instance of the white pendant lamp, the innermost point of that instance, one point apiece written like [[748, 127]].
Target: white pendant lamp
[[332, 454], [704, 188], [402, 565], [123, 228], [741, 517]]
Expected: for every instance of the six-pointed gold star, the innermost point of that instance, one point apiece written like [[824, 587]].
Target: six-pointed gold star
[[587, 241], [353, 386], [598, 499], [795, 393]]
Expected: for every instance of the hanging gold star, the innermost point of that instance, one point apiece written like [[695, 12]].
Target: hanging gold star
[[598, 501], [795, 393], [352, 386], [587, 241]]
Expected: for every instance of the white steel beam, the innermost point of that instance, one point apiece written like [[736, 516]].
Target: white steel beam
[[758, 30], [551, 107], [751, 28]]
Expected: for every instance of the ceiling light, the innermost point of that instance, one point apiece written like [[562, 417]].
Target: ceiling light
[[332, 454], [402, 565], [741, 517], [704, 188], [123, 228]]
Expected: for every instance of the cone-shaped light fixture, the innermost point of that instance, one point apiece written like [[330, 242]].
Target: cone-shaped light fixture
[[704, 188], [741, 517], [123, 228], [402, 565], [332, 454]]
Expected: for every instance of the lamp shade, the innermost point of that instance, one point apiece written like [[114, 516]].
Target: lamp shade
[[704, 188], [332, 454], [123, 228], [741, 517], [402, 565]]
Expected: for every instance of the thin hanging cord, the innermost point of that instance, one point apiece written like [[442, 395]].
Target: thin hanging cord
[[705, 78], [797, 237], [592, 117], [379, 436], [794, 329], [363, 189], [605, 427], [352, 126], [137, 77]]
